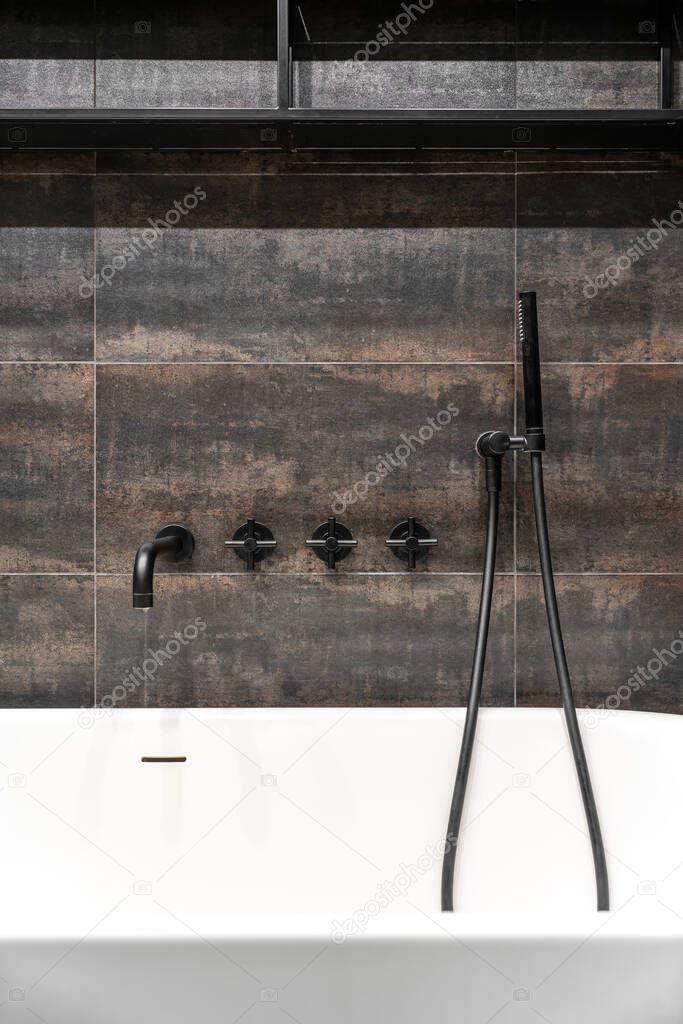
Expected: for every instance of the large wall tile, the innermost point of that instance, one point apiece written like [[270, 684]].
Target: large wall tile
[[335, 263], [46, 83], [186, 83], [207, 446], [579, 78], [46, 54], [175, 56], [46, 473], [579, 220], [46, 641], [266, 640], [613, 470], [614, 626], [46, 263], [601, 22], [479, 21], [484, 79]]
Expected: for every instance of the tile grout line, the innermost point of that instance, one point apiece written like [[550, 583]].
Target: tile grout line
[[514, 458], [340, 362], [94, 447]]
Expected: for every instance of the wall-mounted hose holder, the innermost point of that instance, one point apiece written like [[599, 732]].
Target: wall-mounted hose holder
[[332, 542], [410, 541], [252, 542]]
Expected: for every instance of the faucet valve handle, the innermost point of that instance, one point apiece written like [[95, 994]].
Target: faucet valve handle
[[410, 541], [332, 541], [252, 543]]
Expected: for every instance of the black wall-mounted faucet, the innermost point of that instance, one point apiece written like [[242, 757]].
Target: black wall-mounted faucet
[[174, 543]]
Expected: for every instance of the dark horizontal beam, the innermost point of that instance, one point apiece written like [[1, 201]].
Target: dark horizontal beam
[[286, 129]]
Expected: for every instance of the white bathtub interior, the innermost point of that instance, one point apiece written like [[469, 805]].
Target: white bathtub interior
[[289, 868]]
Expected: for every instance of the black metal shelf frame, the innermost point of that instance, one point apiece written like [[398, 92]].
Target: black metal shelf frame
[[288, 128]]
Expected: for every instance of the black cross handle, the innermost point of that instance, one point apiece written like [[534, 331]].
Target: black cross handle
[[332, 541], [252, 542], [410, 541]]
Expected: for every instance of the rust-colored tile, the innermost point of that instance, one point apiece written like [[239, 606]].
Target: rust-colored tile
[[207, 446], [602, 245], [46, 641], [46, 474], [613, 470], [266, 640], [46, 260], [623, 637], [327, 263]]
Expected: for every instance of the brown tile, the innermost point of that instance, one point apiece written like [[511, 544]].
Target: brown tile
[[16, 162], [46, 474], [46, 246], [266, 640], [46, 641], [578, 223], [320, 162], [207, 446], [613, 470], [614, 626], [330, 264]]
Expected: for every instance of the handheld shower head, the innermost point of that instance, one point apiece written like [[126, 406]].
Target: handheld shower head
[[531, 363]]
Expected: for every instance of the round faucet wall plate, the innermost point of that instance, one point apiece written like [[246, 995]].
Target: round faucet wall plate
[[412, 546], [251, 548], [341, 533], [185, 546]]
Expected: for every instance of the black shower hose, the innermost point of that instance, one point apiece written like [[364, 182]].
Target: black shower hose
[[562, 669], [473, 701]]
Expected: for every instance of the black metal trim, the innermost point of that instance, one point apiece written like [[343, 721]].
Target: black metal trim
[[273, 129], [284, 57], [666, 64]]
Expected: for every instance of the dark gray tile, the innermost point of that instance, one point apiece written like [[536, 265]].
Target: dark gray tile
[[468, 81], [613, 470], [46, 54], [46, 474], [40, 29], [175, 56], [579, 78], [46, 262], [598, 243], [204, 31], [207, 446], [623, 637], [479, 21], [46, 641], [329, 264], [602, 22], [266, 640]]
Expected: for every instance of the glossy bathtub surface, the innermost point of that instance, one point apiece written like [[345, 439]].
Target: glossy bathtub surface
[[289, 868]]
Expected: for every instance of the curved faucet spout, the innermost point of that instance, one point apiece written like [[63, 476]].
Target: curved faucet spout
[[174, 543]]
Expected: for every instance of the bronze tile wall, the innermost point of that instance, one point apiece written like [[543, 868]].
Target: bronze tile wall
[[260, 350]]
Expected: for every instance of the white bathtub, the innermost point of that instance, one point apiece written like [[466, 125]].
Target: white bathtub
[[289, 869]]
